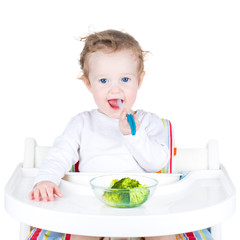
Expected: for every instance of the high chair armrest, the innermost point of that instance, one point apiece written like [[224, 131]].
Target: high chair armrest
[[29, 153]]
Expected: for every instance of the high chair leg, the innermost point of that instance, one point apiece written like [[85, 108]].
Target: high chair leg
[[216, 232], [24, 231]]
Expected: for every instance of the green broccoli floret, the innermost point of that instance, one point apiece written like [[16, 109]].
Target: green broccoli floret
[[126, 183], [138, 196], [116, 199], [133, 195], [113, 182]]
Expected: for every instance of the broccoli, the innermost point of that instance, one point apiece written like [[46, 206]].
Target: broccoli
[[125, 183], [132, 193]]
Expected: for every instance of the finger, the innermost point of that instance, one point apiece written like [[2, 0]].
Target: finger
[[44, 194], [135, 117], [136, 121], [123, 114], [30, 196], [36, 194], [57, 191], [50, 193]]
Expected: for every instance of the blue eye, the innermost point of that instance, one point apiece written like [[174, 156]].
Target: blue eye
[[103, 80], [125, 79]]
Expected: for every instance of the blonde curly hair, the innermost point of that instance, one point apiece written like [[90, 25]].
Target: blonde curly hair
[[110, 41]]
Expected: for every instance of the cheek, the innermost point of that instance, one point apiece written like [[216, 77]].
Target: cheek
[[132, 98], [131, 95], [98, 96]]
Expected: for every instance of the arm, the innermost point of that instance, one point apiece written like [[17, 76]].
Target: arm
[[149, 146], [59, 160]]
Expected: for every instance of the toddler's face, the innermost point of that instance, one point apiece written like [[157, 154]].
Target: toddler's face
[[113, 76]]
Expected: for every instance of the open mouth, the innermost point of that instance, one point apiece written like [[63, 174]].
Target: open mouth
[[113, 104]]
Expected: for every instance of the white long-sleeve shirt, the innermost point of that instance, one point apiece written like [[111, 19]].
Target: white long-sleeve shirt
[[96, 141]]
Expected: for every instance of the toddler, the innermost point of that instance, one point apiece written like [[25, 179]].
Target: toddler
[[112, 63]]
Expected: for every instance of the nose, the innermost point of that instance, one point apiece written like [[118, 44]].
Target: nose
[[115, 88]]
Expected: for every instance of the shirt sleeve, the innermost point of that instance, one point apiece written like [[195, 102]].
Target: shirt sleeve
[[149, 146], [63, 154]]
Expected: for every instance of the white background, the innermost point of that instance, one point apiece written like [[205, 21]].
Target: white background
[[192, 74]]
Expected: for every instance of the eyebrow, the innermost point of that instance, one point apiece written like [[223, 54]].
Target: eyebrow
[[101, 76], [105, 75], [131, 74]]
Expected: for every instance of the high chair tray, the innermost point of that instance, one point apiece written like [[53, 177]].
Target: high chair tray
[[202, 199]]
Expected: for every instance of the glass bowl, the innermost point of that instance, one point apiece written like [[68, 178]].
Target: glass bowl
[[116, 195]]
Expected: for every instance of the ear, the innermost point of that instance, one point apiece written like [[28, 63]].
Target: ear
[[141, 77], [86, 82]]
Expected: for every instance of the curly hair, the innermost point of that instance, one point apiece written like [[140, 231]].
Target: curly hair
[[110, 41]]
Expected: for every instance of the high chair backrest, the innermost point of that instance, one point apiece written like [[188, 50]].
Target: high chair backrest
[[185, 159], [33, 154], [197, 158]]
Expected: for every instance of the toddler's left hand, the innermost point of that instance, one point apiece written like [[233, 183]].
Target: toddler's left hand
[[124, 125]]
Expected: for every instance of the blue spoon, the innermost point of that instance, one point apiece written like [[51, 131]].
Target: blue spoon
[[130, 118]]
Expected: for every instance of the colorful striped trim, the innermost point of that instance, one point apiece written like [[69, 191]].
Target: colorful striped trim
[[170, 145], [34, 234], [75, 167], [40, 234], [168, 127], [179, 237], [196, 235], [46, 235], [66, 237]]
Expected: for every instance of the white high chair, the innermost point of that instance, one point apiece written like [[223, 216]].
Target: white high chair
[[203, 199]]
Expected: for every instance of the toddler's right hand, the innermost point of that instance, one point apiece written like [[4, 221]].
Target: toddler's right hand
[[124, 125], [44, 191]]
